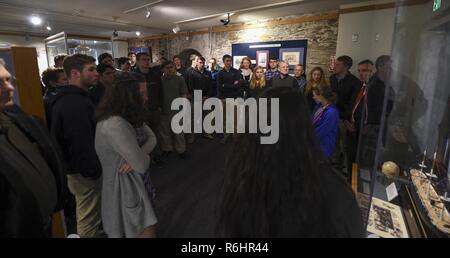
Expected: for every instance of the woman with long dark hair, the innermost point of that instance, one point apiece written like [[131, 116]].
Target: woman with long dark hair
[[286, 189], [123, 143]]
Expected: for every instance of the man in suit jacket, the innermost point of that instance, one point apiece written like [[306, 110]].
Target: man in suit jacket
[[31, 172]]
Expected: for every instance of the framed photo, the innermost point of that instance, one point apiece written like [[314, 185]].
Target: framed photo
[[262, 58], [237, 61], [386, 220], [292, 55]]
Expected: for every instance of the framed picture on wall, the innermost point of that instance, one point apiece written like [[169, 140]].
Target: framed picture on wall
[[237, 61], [262, 58], [292, 55]]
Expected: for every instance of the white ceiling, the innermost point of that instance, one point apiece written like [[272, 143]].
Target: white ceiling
[[101, 17]]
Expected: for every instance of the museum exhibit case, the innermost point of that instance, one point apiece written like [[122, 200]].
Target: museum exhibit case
[[403, 178], [67, 44]]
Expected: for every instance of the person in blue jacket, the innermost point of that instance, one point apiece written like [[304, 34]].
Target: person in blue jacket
[[325, 118]]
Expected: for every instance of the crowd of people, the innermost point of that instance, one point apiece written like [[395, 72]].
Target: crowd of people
[[110, 124]]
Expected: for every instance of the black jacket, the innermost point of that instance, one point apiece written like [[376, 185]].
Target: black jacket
[[187, 77], [154, 89], [346, 91], [96, 93], [256, 92], [376, 94], [50, 93], [73, 128], [201, 81], [29, 162], [288, 81], [225, 83]]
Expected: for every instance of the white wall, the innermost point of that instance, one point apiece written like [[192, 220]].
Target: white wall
[[22, 41], [366, 25], [120, 48]]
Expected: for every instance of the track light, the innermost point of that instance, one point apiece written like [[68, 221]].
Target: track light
[[176, 29], [227, 21], [36, 20], [138, 33], [148, 13]]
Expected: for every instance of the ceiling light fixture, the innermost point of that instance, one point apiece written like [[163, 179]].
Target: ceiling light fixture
[[138, 33], [176, 29], [148, 13], [48, 27], [36, 20], [225, 21]]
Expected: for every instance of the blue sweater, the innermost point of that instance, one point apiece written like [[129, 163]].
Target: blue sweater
[[326, 128]]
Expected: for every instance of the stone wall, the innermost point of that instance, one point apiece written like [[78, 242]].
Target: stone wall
[[321, 36]]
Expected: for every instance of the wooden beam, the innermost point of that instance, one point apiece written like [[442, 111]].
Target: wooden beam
[[331, 16], [28, 80], [355, 177], [87, 37], [39, 35], [23, 34], [303, 19], [367, 8]]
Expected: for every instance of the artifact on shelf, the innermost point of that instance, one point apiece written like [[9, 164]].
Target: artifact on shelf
[[390, 169]]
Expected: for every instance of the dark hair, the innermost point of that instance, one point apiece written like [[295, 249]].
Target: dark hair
[[103, 56], [131, 53], [348, 61], [101, 68], [176, 56], [202, 58], [77, 62], [122, 99], [276, 190], [58, 58], [325, 91], [138, 56], [273, 58], [367, 61], [123, 60], [51, 75], [381, 61], [166, 63], [225, 57], [212, 58]]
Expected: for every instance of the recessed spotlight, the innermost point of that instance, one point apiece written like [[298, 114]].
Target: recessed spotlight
[[36, 20], [138, 33], [48, 28], [176, 29]]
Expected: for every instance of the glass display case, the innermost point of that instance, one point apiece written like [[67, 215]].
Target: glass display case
[[62, 43], [403, 160]]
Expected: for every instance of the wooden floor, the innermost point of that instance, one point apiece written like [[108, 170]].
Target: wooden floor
[[188, 190]]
